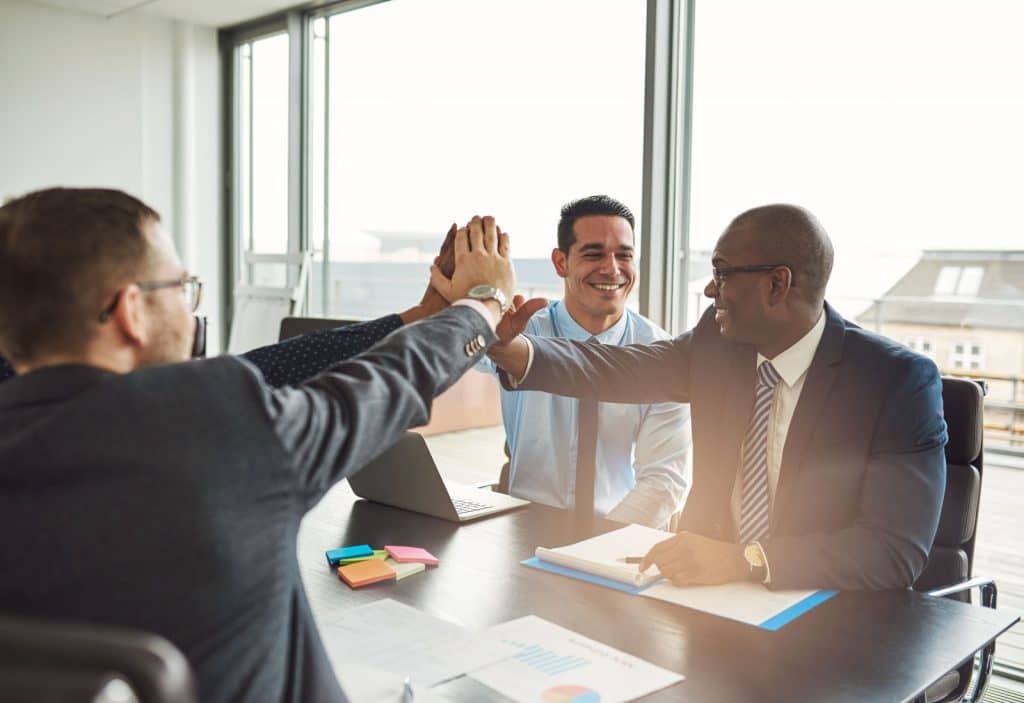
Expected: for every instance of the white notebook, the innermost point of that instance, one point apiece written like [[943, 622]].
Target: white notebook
[[605, 554]]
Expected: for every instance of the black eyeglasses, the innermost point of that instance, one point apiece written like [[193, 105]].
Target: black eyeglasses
[[191, 286], [720, 273]]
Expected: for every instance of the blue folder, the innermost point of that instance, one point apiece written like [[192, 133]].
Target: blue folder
[[773, 623]]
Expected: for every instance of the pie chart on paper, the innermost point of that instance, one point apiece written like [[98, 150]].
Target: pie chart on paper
[[570, 694]]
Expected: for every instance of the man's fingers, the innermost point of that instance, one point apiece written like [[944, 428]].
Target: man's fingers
[[490, 235], [663, 552], [446, 256], [503, 243], [441, 283], [476, 234], [524, 311], [461, 242]]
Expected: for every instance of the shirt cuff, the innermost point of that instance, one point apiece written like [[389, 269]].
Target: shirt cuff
[[767, 567], [641, 506], [480, 308], [514, 382]]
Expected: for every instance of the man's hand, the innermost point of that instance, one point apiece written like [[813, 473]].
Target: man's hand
[[517, 316], [690, 560], [432, 301], [481, 258]]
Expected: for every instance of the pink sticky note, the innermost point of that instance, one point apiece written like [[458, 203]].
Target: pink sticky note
[[411, 554]]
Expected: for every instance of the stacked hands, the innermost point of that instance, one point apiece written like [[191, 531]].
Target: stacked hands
[[478, 254]]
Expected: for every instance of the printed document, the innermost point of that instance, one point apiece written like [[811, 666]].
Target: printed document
[[556, 664], [751, 603], [398, 638]]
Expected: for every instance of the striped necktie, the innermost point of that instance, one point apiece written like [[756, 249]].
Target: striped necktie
[[754, 513]]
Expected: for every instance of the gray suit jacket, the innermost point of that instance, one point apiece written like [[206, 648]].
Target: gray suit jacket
[[169, 499], [863, 470]]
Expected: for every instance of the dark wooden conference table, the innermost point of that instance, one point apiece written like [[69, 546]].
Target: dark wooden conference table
[[858, 646]]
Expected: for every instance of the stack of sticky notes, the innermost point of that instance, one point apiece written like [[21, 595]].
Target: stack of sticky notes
[[361, 565]]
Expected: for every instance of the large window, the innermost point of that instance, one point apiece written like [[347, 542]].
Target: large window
[[363, 129], [262, 144], [426, 113], [899, 125]]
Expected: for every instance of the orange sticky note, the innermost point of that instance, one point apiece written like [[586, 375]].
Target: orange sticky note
[[364, 573]]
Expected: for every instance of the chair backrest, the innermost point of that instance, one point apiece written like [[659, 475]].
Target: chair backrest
[[257, 308], [295, 326], [951, 558], [50, 660]]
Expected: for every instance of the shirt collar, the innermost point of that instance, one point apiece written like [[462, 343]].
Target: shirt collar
[[794, 362], [570, 329]]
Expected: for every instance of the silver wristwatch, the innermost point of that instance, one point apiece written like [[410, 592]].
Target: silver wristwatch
[[485, 292]]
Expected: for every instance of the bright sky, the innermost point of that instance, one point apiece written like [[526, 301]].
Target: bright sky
[[897, 122]]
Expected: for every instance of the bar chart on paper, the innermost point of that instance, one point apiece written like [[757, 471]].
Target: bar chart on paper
[[546, 661], [556, 665]]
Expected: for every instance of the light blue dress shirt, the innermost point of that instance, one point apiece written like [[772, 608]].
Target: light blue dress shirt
[[643, 472]]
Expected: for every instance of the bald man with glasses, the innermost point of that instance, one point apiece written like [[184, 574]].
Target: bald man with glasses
[[818, 447]]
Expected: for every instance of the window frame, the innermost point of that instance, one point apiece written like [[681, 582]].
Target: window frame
[[664, 235]]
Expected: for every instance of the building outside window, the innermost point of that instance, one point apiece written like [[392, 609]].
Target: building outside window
[[921, 346], [967, 355]]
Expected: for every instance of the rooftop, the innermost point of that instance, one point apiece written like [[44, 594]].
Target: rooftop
[[957, 288]]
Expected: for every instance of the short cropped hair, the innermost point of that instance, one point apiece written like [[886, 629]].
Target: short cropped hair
[[790, 235], [63, 253], [585, 207]]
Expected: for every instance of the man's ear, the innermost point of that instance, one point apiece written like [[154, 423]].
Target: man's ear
[[129, 316], [781, 283], [561, 262]]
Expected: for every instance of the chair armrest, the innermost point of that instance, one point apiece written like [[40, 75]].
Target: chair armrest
[[985, 585], [987, 589]]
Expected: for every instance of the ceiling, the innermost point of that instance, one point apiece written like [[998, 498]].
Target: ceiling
[[213, 13]]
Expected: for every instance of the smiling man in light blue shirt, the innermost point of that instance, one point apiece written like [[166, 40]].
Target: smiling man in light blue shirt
[[643, 471]]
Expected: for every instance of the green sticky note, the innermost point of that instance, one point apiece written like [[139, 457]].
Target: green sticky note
[[377, 554]]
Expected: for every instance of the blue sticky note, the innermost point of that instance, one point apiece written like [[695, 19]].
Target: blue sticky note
[[336, 555]]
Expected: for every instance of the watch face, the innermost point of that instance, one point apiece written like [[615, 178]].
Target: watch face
[[482, 291]]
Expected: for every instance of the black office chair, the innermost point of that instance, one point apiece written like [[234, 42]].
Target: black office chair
[[50, 661], [295, 326], [949, 572]]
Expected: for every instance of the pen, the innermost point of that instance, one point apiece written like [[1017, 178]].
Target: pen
[[632, 560], [407, 691]]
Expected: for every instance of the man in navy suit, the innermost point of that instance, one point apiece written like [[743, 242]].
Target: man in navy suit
[[818, 446]]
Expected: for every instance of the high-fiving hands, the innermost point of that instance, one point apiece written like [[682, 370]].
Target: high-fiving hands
[[481, 258]]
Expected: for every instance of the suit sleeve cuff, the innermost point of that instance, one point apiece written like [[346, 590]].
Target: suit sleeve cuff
[[484, 311], [513, 383]]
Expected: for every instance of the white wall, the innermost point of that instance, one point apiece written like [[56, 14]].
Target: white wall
[[131, 102]]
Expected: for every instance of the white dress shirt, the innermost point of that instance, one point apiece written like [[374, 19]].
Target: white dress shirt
[[643, 468], [792, 366]]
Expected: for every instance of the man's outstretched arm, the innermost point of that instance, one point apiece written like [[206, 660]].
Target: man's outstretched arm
[[295, 360]]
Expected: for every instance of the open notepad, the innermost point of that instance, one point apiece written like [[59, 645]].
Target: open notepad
[[605, 554], [600, 560]]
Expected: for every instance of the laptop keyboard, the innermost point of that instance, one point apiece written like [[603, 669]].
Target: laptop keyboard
[[463, 506]]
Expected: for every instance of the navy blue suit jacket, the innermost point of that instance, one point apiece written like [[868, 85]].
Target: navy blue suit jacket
[[863, 468]]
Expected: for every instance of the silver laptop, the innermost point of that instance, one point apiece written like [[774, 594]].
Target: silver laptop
[[405, 476]]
